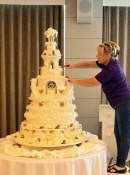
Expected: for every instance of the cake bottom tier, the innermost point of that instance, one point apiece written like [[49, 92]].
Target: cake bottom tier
[[50, 137]]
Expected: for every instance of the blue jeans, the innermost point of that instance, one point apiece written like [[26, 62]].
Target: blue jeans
[[122, 132]]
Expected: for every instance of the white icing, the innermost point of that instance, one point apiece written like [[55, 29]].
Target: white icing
[[10, 147]]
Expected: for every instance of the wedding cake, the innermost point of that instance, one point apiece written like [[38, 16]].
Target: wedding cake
[[50, 118], [50, 128]]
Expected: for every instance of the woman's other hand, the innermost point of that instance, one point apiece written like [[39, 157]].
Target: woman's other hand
[[69, 65], [70, 79]]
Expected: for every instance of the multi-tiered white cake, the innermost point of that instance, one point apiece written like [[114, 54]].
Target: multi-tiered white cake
[[50, 118], [50, 128]]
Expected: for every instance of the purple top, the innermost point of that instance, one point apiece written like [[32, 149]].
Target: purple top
[[114, 82]]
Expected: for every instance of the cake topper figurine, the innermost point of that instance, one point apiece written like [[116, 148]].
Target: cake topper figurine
[[51, 34]]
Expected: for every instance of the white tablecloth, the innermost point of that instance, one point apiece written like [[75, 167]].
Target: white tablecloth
[[92, 163]]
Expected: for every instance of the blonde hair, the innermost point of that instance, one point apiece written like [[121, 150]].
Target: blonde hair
[[110, 47]]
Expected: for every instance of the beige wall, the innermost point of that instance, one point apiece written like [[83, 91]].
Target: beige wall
[[81, 41]]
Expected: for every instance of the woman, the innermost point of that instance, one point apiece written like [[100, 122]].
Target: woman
[[117, 91]]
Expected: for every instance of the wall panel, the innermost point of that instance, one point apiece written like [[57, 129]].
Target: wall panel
[[82, 31], [81, 48]]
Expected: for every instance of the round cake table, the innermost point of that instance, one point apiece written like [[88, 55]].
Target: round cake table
[[92, 163]]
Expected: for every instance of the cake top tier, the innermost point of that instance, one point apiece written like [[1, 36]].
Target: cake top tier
[[51, 45]]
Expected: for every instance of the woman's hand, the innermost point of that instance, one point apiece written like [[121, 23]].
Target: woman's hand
[[70, 79], [84, 64], [69, 65], [89, 82]]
